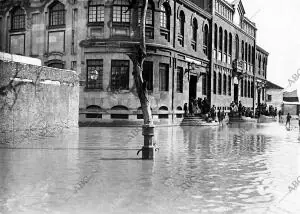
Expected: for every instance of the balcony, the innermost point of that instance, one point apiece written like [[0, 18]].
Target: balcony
[[224, 57], [229, 59]]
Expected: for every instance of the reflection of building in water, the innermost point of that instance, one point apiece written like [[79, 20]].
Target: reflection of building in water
[[195, 49]]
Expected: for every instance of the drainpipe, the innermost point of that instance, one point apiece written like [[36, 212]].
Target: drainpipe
[[211, 51]]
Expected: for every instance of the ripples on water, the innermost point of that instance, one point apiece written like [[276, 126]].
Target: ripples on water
[[240, 168]]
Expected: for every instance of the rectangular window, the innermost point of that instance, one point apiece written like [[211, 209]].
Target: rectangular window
[[148, 74], [56, 41], [204, 85], [119, 75], [120, 15], [94, 74], [74, 65], [179, 86], [17, 44], [163, 77], [96, 13], [269, 97]]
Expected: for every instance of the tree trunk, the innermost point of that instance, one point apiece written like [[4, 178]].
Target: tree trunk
[[141, 86]]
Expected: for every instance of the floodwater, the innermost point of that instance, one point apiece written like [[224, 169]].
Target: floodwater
[[239, 168]]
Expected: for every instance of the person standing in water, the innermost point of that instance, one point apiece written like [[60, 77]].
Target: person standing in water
[[288, 120]]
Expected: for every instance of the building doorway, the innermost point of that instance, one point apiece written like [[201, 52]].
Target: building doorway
[[236, 93], [258, 97], [193, 87]]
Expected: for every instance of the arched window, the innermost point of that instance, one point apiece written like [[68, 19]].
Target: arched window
[[165, 16], [205, 40], [243, 52], [220, 84], [215, 82], [229, 85], [95, 12], [245, 90], [249, 54], [165, 12], [195, 29], [121, 12], [224, 84], [230, 44], [181, 28], [246, 52], [237, 47], [249, 89], [150, 13], [149, 31], [56, 14], [216, 37], [195, 34], [181, 21], [225, 42], [259, 64], [18, 19], [242, 87], [220, 39]]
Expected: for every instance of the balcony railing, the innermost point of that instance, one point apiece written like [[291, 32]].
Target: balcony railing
[[229, 59], [224, 57]]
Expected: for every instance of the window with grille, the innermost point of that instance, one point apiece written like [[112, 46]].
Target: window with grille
[[119, 75], [148, 74], [95, 12], [205, 40], [94, 74], [163, 77], [56, 14], [179, 86], [121, 13], [18, 19]]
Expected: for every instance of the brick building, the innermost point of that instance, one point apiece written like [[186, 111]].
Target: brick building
[[192, 52]]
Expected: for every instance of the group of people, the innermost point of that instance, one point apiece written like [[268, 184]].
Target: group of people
[[201, 107], [263, 109], [238, 108], [196, 106]]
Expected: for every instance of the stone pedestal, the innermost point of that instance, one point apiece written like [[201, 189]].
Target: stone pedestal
[[148, 150]]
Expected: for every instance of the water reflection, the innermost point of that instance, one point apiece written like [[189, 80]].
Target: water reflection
[[240, 168]]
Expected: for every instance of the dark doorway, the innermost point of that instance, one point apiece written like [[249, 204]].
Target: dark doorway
[[236, 93], [193, 87]]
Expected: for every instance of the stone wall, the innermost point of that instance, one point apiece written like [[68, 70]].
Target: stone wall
[[36, 100]]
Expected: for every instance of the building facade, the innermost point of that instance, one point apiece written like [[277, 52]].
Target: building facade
[[194, 49], [274, 95]]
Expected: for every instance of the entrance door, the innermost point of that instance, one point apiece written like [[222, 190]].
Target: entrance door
[[236, 93], [258, 97], [193, 87]]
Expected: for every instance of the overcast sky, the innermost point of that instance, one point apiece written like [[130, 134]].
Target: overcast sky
[[278, 24]]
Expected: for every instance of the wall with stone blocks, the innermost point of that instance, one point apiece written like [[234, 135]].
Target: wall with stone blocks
[[36, 100]]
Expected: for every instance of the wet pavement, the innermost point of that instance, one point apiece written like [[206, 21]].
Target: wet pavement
[[239, 168]]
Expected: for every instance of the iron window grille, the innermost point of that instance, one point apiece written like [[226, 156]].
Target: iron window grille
[[57, 15], [95, 12], [119, 75], [18, 19], [94, 74]]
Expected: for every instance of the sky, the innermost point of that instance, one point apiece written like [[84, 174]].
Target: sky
[[278, 24]]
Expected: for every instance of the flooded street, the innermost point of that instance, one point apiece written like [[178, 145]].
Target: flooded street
[[239, 168]]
